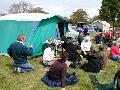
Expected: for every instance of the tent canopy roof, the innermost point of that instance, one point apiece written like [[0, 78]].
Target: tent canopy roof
[[102, 22], [28, 16]]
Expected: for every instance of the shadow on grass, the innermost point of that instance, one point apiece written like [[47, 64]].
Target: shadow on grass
[[99, 85]]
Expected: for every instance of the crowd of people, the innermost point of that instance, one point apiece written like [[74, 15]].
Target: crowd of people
[[73, 52]]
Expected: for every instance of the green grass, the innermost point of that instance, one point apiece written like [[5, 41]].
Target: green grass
[[31, 80]]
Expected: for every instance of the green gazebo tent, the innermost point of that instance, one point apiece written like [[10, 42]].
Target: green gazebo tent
[[36, 26]]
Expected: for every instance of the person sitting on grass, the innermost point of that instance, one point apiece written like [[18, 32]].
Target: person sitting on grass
[[114, 52], [57, 75], [74, 56], [65, 40], [104, 56], [49, 55], [80, 37], [94, 62], [101, 38], [19, 52], [86, 46]]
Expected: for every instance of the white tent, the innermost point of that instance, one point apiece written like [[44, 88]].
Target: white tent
[[26, 16], [103, 25]]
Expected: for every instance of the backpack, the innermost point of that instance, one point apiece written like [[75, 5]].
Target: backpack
[[117, 81]]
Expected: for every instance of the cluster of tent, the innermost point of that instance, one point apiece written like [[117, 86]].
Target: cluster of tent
[[36, 26]]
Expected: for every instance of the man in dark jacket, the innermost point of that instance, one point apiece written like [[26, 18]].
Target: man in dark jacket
[[94, 62], [19, 52], [65, 39], [73, 54]]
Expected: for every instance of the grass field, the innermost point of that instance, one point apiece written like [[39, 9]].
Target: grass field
[[31, 80]]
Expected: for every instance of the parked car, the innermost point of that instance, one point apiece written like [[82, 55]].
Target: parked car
[[71, 32]]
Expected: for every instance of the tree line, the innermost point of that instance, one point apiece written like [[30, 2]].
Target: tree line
[[24, 7], [109, 11]]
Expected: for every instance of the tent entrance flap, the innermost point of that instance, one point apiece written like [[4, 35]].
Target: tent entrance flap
[[61, 28]]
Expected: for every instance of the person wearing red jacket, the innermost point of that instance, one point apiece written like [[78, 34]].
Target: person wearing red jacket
[[114, 52]]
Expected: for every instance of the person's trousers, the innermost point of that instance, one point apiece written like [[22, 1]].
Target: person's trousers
[[25, 67], [48, 63], [116, 58], [69, 80]]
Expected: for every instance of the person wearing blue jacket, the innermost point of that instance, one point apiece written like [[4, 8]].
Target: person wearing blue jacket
[[19, 53]]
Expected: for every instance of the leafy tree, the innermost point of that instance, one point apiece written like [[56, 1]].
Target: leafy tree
[[79, 16], [38, 10], [21, 7], [110, 10], [95, 18]]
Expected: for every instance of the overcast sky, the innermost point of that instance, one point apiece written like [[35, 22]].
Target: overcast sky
[[59, 7]]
